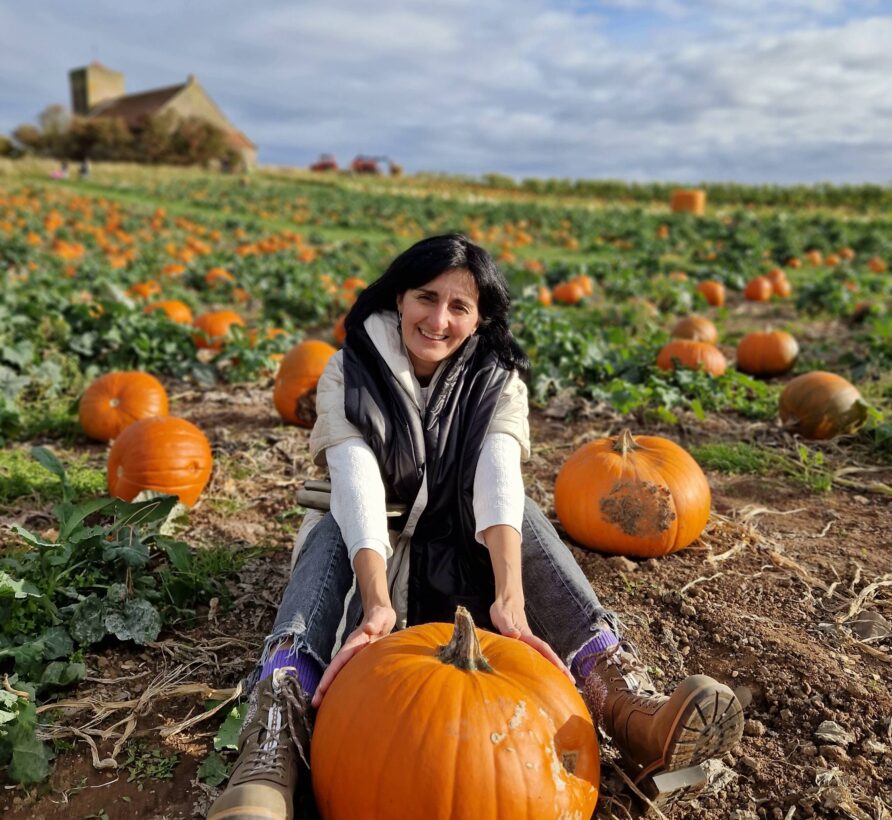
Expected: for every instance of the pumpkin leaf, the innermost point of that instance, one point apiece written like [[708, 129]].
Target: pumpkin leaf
[[136, 621], [57, 643], [59, 673], [213, 770], [30, 757], [132, 552], [227, 735], [87, 624], [16, 588]]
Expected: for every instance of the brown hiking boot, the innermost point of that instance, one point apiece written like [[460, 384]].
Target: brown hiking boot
[[274, 740], [656, 733]]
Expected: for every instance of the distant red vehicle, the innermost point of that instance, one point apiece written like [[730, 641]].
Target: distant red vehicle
[[365, 165], [326, 162]]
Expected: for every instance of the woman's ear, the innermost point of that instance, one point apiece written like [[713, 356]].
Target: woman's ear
[[399, 302]]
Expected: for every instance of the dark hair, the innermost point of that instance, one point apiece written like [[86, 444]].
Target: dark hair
[[426, 260]]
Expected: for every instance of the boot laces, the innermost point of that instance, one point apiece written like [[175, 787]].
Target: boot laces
[[624, 656], [288, 707]]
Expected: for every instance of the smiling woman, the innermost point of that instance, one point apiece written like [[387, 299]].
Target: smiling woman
[[424, 408]]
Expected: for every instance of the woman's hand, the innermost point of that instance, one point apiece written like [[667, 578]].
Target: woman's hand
[[377, 623], [509, 617]]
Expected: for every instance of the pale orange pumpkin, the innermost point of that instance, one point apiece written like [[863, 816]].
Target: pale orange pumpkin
[[695, 327], [767, 354], [544, 296], [175, 310], [821, 405], [781, 287], [166, 454], [758, 289], [691, 354], [814, 258], [215, 326], [713, 291], [294, 391], [632, 495], [118, 399], [446, 723]]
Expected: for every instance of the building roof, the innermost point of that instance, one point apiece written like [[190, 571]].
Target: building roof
[[236, 139], [133, 107]]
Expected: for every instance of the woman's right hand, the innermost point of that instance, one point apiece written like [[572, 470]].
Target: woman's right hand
[[377, 623]]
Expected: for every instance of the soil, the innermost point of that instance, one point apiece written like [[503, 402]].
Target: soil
[[761, 601]]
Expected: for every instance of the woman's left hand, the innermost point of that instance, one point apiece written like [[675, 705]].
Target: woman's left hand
[[509, 617]]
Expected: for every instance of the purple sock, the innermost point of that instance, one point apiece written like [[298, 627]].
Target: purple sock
[[585, 658], [309, 673]]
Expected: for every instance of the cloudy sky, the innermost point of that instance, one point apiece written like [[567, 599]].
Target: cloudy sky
[[777, 91]]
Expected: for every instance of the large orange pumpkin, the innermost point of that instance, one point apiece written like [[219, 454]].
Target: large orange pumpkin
[[821, 405], [695, 327], [713, 291], [695, 355], [294, 391], [463, 726], [632, 495], [167, 454], [116, 400], [215, 325], [767, 354], [175, 310]]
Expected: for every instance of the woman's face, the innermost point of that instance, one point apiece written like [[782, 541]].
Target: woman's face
[[437, 318]]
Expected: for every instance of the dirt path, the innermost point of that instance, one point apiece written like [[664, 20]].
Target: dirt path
[[761, 602]]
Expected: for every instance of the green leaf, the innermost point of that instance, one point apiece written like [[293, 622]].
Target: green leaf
[[49, 460], [11, 587], [227, 735], [30, 757], [178, 553], [87, 624], [213, 770], [71, 517], [59, 673], [57, 643], [138, 621], [132, 552]]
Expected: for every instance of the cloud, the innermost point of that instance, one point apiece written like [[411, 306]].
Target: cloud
[[757, 90]]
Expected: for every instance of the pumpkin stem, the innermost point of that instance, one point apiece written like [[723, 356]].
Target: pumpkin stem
[[463, 650], [625, 443]]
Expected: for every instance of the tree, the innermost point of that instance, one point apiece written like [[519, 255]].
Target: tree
[[153, 138], [196, 141], [28, 138], [99, 138], [7, 149], [55, 122]]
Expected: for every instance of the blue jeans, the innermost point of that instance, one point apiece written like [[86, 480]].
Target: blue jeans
[[321, 605]]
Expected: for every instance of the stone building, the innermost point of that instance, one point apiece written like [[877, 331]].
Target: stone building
[[97, 91]]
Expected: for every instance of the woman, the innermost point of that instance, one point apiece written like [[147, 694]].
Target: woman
[[425, 406]]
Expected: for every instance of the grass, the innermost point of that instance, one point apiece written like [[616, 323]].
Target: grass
[[21, 475], [740, 458]]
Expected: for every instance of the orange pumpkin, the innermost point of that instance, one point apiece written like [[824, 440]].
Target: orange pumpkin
[[584, 282], [821, 405], [691, 354], [877, 264], [688, 201], [340, 331], [814, 257], [698, 328], [781, 287], [632, 495], [568, 293], [145, 290], [294, 391], [713, 291], [218, 276], [758, 289], [214, 326], [166, 454], [767, 354], [501, 732], [176, 310], [118, 399], [544, 296]]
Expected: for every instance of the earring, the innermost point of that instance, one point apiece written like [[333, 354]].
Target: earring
[[399, 318]]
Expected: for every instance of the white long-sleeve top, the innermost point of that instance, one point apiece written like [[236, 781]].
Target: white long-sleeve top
[[358, 496]]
